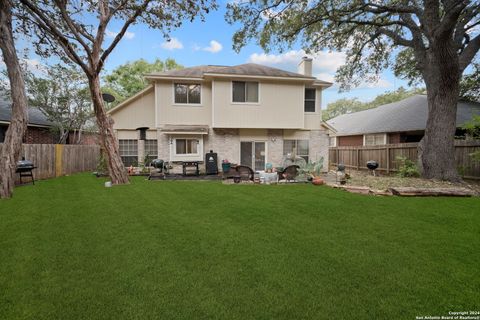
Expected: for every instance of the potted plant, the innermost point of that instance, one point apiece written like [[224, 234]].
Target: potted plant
[[317, 170], [226, 165]]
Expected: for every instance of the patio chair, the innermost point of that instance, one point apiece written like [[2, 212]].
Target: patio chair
[[289, 173], [245, 172]]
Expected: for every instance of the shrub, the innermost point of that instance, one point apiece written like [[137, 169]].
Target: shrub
[[407, 168]]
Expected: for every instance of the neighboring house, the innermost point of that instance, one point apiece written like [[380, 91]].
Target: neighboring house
[[397, 122], [39, 129], [249, 114]]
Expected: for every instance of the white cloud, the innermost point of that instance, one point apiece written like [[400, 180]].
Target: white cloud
[[214, 47], [325, 63], [381, 83], [172, 44], [111, 34]]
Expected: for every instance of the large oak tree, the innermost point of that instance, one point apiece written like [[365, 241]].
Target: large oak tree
[[76, 30], [12, 146], [443, 36]]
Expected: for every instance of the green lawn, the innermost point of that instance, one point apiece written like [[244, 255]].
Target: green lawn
[[73, 249]]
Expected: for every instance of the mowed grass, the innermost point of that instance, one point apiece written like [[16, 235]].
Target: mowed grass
[[72, 249]]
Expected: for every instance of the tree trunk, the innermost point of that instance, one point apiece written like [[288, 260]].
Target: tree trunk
[[12, 145], [109, 143], [437, 148]]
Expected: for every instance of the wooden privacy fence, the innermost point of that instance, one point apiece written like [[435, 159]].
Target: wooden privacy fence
[[356, 157], [54, 160]]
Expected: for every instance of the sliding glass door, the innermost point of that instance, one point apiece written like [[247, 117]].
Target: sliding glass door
[[252, 154]]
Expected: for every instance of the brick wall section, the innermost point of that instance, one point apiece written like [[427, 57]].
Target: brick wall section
[[163, 146], [394, 137], [37, 135], [225, 142], [86, 138], [319, 142], [350, 141], [275, 148]]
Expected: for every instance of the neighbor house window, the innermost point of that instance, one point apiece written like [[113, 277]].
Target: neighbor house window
[[186, 146], [128, 149], [151, 150], [244, 91], [309, 100], [297, 147], [374, 139], [187, 93]]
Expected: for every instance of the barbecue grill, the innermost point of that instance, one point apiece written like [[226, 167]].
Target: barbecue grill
[[161, 168], [25, 169], [372, 165]]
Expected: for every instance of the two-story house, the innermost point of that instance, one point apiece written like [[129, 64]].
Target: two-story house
[[249, 114]]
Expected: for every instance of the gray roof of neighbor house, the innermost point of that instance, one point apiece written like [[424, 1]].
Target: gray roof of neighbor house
[[409, 114], [250, 69], [35, 116]]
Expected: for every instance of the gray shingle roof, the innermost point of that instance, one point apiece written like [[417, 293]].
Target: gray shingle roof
[[406, 115], [35, 116], [251, 69]]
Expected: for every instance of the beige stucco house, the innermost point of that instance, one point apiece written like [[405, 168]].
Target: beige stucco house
[[249, 114]]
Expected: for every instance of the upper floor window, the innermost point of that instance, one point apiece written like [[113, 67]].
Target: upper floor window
[[187, 93], [374, 139], [309, 100], [244, 91]]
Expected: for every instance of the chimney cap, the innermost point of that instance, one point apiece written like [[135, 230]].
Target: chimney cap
[[305, 58]]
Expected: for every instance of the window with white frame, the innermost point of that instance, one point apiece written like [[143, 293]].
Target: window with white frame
[[187, 93], [186, 146], [151, 150], [244, 91], [298, 147], [128, 149], [309, 105], [374, 139]]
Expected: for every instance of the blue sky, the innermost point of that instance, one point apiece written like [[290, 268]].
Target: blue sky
[[210, 42]]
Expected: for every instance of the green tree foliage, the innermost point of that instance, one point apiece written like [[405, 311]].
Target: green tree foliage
[[404, 68], [342, 106], [470, 84], [345, 105], [128, 79], [62, 95]]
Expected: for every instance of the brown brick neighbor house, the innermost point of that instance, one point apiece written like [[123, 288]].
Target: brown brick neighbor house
[[397, 122], [39, 130]]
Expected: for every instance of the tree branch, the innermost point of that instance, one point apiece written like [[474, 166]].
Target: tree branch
[[469, 53], [45, 23], [120, 34], [62, 6]]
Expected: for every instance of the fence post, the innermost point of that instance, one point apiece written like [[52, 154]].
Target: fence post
[[58, 160], [388, 160], [358, 159]]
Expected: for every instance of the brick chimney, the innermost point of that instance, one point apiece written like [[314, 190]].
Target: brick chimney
[[305, 66]]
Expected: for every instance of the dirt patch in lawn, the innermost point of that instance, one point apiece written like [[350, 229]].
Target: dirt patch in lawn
[[384, 182]]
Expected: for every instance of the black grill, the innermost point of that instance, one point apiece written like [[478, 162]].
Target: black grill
[[25, 169]]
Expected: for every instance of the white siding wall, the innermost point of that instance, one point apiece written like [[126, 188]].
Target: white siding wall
[[280, 106], [170, 113]]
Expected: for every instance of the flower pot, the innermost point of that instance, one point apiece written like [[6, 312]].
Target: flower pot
[[318, 181], [226, 167]]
